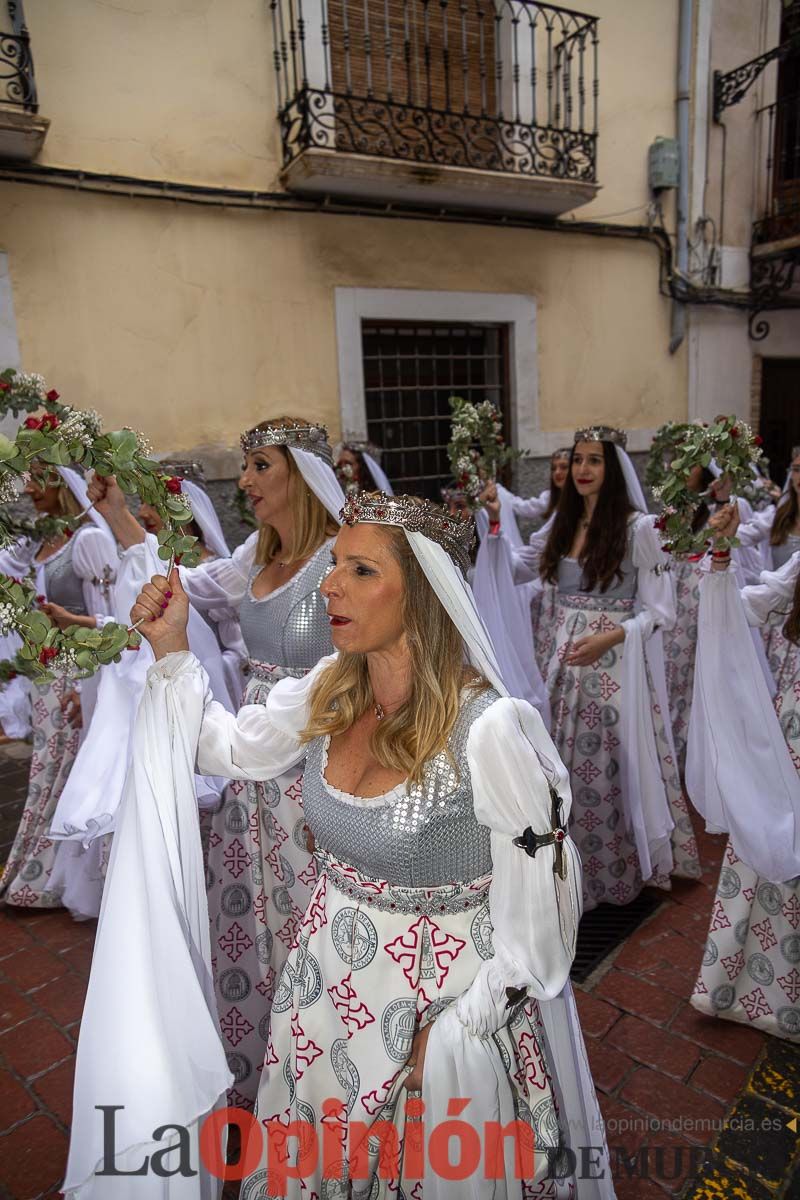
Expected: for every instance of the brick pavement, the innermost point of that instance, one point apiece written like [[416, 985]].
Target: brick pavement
[[654, 1058]]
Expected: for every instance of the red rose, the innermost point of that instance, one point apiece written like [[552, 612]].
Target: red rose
[[32, 423], [41, 599], [52, 395], [759, 441], [5, 387], [735, 432], [68, 533], [50, 421], [661, 523], [47, 653], [178, 558], [668, 548], [174, 485], [12, 675]]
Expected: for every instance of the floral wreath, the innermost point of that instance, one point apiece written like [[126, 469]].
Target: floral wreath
[[473, 426], [733, 446], [61, 436], [662, 450]]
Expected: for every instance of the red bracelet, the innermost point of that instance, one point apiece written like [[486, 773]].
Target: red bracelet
[[494, 527]]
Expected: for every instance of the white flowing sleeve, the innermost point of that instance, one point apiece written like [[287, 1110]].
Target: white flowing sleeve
[[757, 529], [94, 560], [221, 583], [773, 595], [655, 591], [522, 562], [739, 771], [532, 509], [258, 742], [534, 911]]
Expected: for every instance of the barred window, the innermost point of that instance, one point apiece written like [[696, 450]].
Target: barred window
[[410, 372]]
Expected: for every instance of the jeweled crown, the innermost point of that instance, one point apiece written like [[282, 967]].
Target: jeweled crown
[[456, 535], [602, 433], [298, 434]]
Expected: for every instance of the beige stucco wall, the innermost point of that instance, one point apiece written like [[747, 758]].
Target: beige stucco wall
[[190, 323]]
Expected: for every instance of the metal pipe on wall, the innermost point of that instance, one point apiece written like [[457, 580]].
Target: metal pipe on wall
[[685, 26]]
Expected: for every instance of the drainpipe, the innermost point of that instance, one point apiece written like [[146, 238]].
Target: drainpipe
[[682, 119]]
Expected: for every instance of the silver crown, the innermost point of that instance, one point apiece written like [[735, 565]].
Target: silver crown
[[298, 434], [602, 433], [362, 446], [456, 535], [183, 469], [562, 452]]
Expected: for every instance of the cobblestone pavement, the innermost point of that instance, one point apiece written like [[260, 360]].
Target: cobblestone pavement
[[684, 1096]]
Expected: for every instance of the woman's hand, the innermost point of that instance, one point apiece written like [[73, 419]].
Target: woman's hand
[[491, 502], [588, 650], [724, 523], [63, 618], [413, 1082], [106, 495], [71, 708], [163, 608]]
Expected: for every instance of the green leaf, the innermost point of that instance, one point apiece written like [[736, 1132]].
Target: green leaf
[[8, 449]]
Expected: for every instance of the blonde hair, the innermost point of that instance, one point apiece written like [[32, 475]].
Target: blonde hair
[[311, 522], [68, 503], [406, 739]]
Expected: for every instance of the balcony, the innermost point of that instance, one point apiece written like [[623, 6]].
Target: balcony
[[22, 130], [488, 104]]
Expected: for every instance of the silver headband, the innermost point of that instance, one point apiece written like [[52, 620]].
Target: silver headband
[[602, 433], [298, 435]]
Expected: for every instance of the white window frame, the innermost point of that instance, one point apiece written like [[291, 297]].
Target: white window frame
[[355, 305], [518, 312]]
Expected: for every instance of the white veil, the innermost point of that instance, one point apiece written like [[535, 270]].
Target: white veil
[[635, 493], [206, 517], [378, 474], [77, 485], [321, 478]]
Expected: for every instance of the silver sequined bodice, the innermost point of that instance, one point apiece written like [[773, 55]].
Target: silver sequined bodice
[[782, 554], [290, 626], [62, 585], [424, 837], [570, 580]]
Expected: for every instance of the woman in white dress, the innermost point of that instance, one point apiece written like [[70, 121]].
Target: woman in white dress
[[86, 812], [681, 639], [75, 571], [605, 674], [260, 873], [432, 961], [743, 772]]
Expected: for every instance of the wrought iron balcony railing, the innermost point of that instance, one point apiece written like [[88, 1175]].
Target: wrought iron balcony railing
[[497, 85], [17, 83], [779, 127]]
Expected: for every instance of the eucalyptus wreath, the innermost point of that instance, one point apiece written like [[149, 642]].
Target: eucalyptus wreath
[[733, 446], [662, 451], [61, 436], [477, 450]]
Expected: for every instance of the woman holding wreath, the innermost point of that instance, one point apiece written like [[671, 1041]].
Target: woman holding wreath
[[743, 772], [432, 961], [75, 571], [606, 672]]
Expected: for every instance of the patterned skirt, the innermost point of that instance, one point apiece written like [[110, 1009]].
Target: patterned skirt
[[373, 963], [751, 966], [680, 644], [26, 878], [260, 877], [586, 703]]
